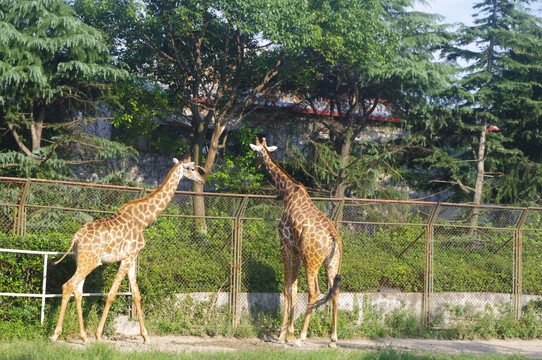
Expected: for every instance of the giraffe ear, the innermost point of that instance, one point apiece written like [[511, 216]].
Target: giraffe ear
[[271, 148], [254, 147], [188, 165], [175, 160]]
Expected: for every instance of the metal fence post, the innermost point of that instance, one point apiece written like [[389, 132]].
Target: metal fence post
[[337, 215], [428, 276], [20, 228], [44, 288], [518, 264], [236, 260]]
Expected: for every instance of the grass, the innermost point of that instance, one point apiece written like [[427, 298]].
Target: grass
[[44, 350], [200, 320]]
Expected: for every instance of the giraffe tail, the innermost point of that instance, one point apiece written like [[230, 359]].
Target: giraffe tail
[[66, 253], [331, 292]]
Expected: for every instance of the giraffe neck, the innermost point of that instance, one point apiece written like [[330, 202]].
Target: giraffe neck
[[285, 184], [147, 209]]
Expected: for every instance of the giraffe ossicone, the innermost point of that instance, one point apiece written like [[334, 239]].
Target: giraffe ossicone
[[306, 236], [118, 238]]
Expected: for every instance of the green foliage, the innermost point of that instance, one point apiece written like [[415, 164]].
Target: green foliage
[[51, 64], [187, 317], [499, 86], [383, 65], [235, 171], [141, 106]]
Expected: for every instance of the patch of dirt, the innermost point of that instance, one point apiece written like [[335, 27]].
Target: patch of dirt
[[182, 344]]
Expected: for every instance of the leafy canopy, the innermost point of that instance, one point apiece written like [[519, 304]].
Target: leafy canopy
[[50, 65]]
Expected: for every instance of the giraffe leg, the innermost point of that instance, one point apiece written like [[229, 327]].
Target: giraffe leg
[[332, 268], [67, 290], [287, 299], [78, 294], [296, 264], [334, 301], [136, 295], [291, 273], [314, 292], [123, 270], [284, 326]]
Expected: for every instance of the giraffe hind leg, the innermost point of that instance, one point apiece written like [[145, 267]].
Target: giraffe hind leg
[[314, 292], [123, 270], [71, 286], [137, 300], [291, 274], [288, 285], [78, 295]]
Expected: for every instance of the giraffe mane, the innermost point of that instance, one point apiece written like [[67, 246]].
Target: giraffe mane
[[157, 190], [281, 169]]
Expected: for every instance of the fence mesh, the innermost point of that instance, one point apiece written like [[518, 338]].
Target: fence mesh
[[446, 257]]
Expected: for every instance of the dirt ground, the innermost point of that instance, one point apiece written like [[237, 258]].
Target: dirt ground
[[182, 344], [127, 338]]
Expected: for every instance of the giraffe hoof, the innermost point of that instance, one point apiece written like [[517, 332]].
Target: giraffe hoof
[[53, 338], [333, 345]]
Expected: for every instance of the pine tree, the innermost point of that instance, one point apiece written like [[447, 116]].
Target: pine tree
[[499, 81], [50, 64]]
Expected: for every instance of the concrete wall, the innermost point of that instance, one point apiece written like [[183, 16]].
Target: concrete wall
[[447, 308], [443, 305]]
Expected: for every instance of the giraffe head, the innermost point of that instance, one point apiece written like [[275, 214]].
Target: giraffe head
[[189, 170], [258, 147]]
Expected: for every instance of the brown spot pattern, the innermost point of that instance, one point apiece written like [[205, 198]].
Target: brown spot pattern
[[306, 236], [118, 238]]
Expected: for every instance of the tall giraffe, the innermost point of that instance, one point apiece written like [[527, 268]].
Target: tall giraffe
[[307, 235], [118, 238]]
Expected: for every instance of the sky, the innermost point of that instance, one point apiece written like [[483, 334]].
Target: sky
[[461, 10], [453, 10]]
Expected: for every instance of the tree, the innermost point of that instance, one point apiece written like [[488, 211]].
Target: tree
[[50, 64], [394, 69], [217, 58], [499, 89]]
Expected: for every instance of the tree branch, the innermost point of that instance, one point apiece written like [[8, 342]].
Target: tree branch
[[18, 140]]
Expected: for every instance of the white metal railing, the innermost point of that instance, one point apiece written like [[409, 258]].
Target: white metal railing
[[44, 294]]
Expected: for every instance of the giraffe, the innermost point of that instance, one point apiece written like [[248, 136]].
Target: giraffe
[[118, 238], [307, 235]]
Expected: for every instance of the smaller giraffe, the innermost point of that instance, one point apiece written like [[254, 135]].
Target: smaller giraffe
[[118, 238], [308, 236]]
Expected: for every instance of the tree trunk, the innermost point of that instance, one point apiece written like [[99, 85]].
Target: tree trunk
[[480, 174], [36, 129], [344, 150], [199, 201]]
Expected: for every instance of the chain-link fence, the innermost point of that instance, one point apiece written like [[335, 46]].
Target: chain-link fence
[[436, 259]]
